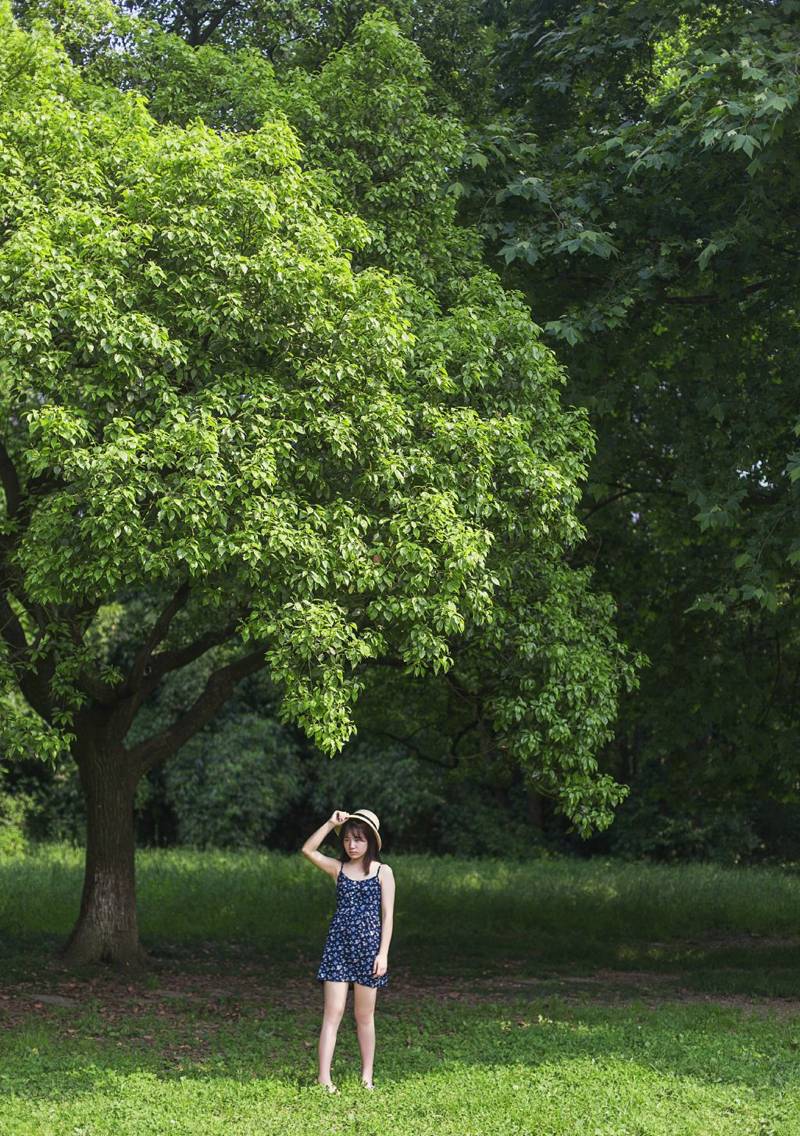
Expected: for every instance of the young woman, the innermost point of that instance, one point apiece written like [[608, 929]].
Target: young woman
[[357, 947]]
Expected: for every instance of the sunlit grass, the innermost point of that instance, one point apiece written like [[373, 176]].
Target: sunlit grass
[[497, 1022], [457, 913], [515, 1069]]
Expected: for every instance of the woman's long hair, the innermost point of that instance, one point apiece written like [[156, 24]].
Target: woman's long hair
[[367, 834]]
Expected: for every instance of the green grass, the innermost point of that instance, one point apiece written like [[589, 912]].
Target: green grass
[[519, 1068], [546, 999], [453, 916]]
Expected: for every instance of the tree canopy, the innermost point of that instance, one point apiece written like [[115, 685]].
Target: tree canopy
[[639, 179], [241, 382]]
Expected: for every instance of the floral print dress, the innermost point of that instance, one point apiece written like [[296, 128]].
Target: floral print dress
[[354, 936]]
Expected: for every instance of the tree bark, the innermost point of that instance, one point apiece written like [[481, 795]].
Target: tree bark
[[107, 927]]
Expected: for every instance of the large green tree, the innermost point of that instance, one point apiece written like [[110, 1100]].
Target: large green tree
[[215, 393], [635, 168], [640, 180]]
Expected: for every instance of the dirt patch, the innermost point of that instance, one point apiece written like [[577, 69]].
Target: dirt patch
[[721, 940], [201, 1004], [615, 987], [604, 987]]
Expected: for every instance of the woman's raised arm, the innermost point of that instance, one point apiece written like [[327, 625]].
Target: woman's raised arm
[[309, 849]]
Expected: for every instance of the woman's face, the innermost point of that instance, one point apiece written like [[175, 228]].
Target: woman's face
[[355, 844]]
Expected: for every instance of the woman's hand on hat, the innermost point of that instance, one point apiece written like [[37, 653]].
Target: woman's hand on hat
[[339, 816]]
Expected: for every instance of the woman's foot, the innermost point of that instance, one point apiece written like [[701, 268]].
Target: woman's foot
[[327, 1085], [367, 1084]]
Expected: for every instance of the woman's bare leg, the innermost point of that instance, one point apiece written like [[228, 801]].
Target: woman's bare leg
[[335, 1000], [364, 1009]]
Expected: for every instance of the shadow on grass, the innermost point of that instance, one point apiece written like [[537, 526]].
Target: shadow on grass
[[748, 965], [244, 1019]]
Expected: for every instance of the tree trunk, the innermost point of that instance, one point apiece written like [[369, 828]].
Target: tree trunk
[[107, 928]]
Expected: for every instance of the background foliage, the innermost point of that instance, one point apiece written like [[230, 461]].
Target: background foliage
[[633, 173]]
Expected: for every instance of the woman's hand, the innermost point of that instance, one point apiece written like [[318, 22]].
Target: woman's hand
[[380, 966], [338, 817]]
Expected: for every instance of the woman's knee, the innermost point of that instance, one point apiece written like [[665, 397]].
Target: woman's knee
[[364, 1017]]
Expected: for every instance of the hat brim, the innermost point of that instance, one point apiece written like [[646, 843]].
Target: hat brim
[[366, 823]]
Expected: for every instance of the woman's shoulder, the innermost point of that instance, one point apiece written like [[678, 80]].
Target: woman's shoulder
[[385, 869]]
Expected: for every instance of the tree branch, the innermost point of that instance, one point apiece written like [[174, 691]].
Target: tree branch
[[608, 501], [156, 636], [208, 30], [218, 689], [715, 297], [166, 661], [101, 692], [33, 682], [10, 482], [418, 752], [462, 733], [176, 27], [625, 490], [12, 632], [457, 688]]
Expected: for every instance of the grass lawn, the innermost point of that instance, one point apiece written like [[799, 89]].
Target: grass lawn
[[551, 998]]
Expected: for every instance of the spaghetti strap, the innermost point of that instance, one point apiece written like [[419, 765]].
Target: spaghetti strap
[[378, 871]]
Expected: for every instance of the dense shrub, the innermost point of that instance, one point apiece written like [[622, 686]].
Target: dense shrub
[[715, 834], [14, 808], [424, 806], [229, 786]]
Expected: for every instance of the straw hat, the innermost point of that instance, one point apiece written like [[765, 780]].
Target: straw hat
[[368, 818]]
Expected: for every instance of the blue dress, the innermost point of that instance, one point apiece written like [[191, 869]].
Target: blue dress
[[354, 936]]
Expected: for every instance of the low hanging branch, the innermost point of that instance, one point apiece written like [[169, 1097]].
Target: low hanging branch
[[218, 689]]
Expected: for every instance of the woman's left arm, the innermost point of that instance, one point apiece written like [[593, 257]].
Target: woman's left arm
[[381, 964]]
